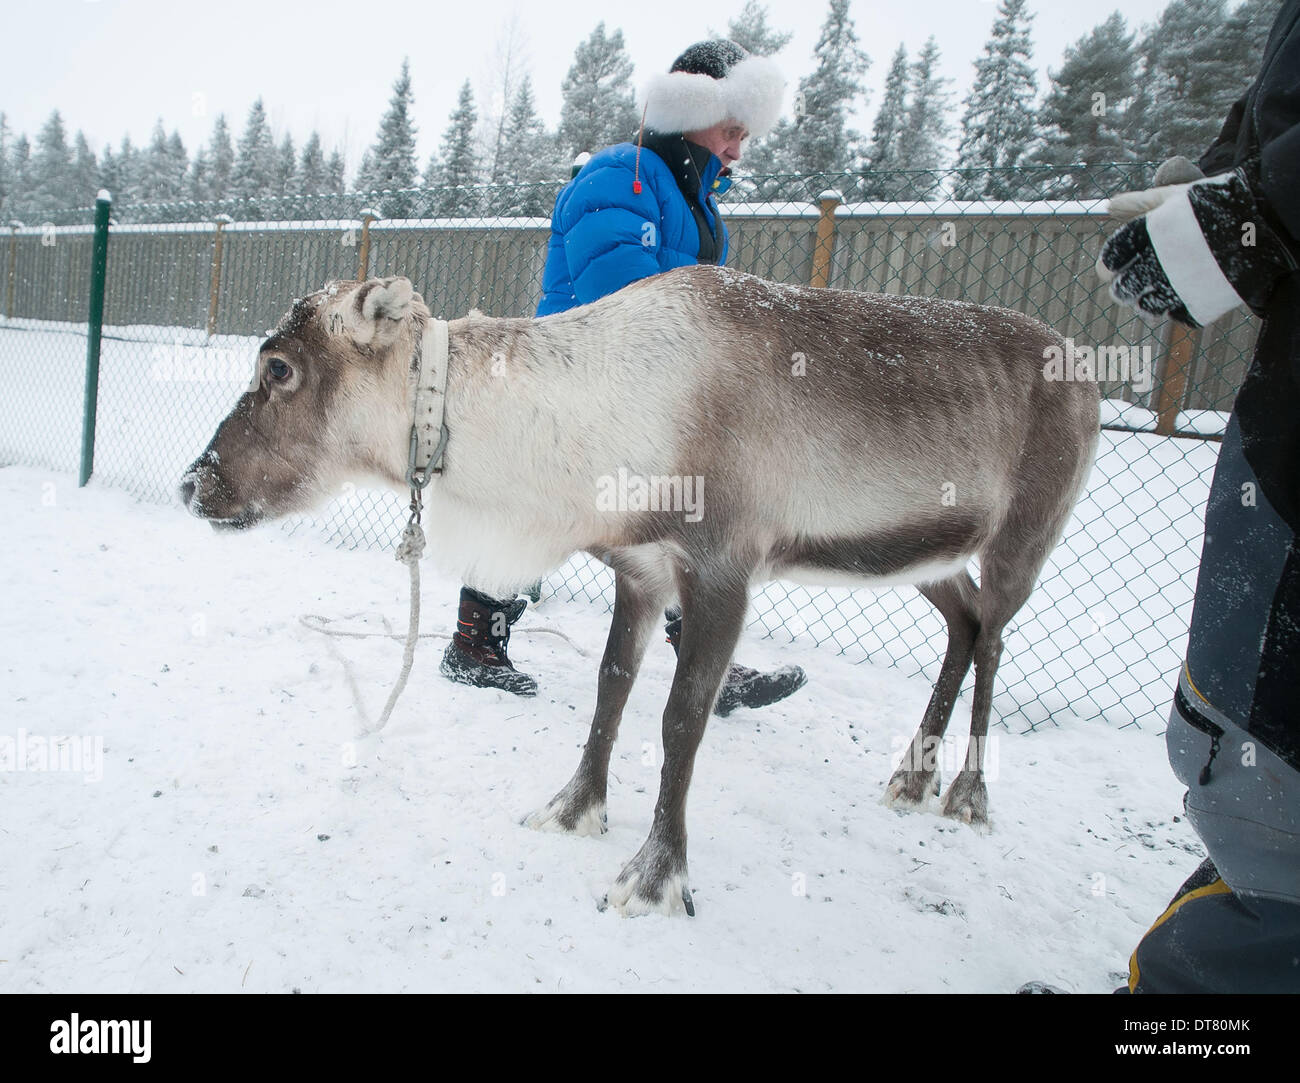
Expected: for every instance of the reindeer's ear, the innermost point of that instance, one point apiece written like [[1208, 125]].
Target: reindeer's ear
[[373, 314], [387, 299]]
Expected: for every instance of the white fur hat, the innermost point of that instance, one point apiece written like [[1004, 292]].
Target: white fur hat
[[711, 82]]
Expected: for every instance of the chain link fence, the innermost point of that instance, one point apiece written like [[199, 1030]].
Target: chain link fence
[[192, 289]]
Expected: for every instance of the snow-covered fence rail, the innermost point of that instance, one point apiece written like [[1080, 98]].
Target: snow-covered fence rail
[[1102, 634]]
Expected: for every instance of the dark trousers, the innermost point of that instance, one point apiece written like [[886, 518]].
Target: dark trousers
[[1233, 741]]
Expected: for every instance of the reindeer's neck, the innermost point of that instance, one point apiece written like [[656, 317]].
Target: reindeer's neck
[[515, 495]]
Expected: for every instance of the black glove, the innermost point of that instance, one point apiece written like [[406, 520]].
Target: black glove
[[1197, 251]]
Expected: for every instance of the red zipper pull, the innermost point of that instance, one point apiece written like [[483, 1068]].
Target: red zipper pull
[[636, 173]]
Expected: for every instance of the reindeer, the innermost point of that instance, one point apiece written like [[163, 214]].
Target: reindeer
[[842, 438]]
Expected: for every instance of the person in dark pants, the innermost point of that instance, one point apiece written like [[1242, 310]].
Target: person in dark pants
[[634, 210], [1202, 248]]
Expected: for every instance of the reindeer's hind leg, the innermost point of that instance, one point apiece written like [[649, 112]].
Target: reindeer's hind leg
[[1006, 581], [917, 777], [579, 808], [713, 613]]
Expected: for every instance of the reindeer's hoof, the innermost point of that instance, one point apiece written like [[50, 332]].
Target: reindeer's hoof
[[911, 789], [967, 800], [642, 888], [570, 816], [687, 901]]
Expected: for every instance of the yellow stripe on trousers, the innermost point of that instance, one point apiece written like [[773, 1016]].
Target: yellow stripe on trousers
[[1217, 887]]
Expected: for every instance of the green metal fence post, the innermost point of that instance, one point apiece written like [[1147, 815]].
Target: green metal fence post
[[94, 328], [14, 227]]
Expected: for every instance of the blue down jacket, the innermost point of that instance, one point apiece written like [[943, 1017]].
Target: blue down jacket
[[605, 236]]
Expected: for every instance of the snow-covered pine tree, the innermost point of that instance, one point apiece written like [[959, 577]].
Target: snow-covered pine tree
[[198, 181], [1084, 115], [763, 158], [881, 157], [312, 178], [882, 152], [120, 174], [85, 172], [155, 172], [178, 161], [432, 171], [6, 169], [1193, 68], [254, 170], [818, 140], [821, 140], [51, 168], [221, 160], [1246, 31], [998, 123], [922, 145], [391, 163], [523, 131], [507, 67], [599, 105], [457, 169], [20, 177], [750, 30], [286, 169], [110, 175], [529, 157], [335, 172], [362, 182]]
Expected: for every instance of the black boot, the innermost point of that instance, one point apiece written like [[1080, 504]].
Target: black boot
[[477, 652], [744, 687]]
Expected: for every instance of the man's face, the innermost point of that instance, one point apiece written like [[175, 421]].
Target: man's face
[[723, 139]]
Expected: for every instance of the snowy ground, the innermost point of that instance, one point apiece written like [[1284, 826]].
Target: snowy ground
[[241, 836]]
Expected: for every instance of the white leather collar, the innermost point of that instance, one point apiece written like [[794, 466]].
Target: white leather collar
[[429, 428]]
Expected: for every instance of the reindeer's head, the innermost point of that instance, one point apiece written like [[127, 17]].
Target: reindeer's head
[[328, 403]]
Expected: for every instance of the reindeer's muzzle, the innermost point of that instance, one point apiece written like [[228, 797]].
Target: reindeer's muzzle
[[206, 495]]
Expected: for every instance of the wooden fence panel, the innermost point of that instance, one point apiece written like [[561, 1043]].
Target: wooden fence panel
[[1041, 264]]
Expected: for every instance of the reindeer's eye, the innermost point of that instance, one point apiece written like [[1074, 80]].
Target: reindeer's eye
[[278, 369]]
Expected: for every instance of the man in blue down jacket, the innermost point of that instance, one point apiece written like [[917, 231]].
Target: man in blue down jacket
[[1202, 248], [629, 214], [635, 210]]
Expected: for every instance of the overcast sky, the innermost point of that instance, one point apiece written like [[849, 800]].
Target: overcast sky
[[112, 67]]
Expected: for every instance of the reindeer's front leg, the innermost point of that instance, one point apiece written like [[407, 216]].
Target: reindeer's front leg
[[713, 612], [579, 808]]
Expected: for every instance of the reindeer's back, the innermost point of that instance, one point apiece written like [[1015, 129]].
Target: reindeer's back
[[819, 392]]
